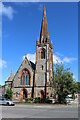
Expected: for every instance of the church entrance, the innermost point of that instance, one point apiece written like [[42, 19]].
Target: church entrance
[[41, 94], [23, 94]]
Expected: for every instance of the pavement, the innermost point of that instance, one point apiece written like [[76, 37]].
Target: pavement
[[41, 111]]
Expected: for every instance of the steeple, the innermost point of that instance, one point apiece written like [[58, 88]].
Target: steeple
[[44, 35], [37, 42], [51, 44]]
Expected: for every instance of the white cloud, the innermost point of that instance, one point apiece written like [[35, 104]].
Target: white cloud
[[31, 57], [34, 0], [3, 64], [7, 11], [59, 54], [56, 58], [69, 60], [74, 77]]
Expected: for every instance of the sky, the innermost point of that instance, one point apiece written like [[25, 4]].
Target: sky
[[21, 25]]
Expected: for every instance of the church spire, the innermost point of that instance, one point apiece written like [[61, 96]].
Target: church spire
[[44, 35]]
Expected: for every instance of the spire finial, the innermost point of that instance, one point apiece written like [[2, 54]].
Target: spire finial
[[26, 56], [37, 41], [44, 11], [51, 44]]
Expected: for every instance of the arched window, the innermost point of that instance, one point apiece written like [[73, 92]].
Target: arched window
[[21, 81], [28, 80], [24, 77], [43, 41], [16, 94], [43, 54], [42, 67], [46, 40]]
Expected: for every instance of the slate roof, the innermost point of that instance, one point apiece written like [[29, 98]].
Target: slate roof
[[10, 78], [33, 65]]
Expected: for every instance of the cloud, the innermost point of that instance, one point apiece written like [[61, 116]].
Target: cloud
[[59, 54], [6, 11], [56, 58], [31, 57], [35, 0], [69, 60], [74, 77], [3, 64]]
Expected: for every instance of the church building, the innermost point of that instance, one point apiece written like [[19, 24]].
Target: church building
[[33, 80]]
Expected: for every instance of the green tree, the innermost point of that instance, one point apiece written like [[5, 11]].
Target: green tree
[[77, 87], [64, 83], [8, 94]]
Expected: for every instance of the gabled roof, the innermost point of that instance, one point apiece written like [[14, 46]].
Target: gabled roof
[[33, 65], [10, 78]]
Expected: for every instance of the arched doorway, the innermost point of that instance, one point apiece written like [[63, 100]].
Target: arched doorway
[[41, 94], [23, 94]]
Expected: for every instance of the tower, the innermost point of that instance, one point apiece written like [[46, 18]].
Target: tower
[[44, 61]]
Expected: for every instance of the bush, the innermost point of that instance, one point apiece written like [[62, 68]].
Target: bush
[[48, 101], [8, 94], [38, 100], [29, 100]]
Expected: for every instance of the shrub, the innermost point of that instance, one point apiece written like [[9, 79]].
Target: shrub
[[8, 94], [29, 100], [38, 100], [48, 101]]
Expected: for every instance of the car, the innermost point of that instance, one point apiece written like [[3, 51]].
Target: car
[[4, 101], [69, 100]]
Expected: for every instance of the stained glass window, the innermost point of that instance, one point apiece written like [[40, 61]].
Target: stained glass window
[[21, 81], [26, 79]]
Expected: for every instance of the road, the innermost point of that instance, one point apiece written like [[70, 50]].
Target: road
[[40, 111]]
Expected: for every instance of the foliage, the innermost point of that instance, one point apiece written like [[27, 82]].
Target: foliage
[[29, 100], [77, 87], [8, 94], [37, 100], [1, 86], [43, 100], [64, 83]]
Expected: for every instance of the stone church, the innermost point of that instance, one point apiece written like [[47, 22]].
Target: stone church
[[32, 80]]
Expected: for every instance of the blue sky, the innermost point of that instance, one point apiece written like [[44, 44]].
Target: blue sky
[[21, 24]]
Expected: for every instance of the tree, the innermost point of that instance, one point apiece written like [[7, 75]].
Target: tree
[[77, 87], [8, 94], [64, 83]]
